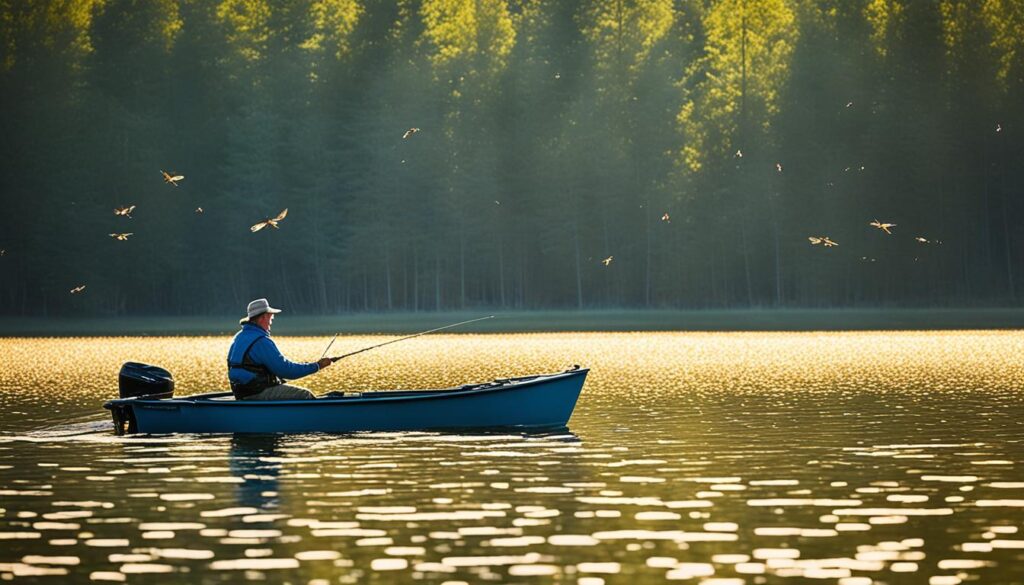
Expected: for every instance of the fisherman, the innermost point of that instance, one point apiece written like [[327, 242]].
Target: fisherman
[[257, 369]]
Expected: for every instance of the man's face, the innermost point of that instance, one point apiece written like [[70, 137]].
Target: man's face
[[266, 320]]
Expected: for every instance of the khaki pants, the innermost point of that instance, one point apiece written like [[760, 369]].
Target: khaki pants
[[283, 392]]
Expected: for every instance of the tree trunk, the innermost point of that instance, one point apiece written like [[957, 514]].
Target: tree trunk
[[522, 276], [579, 268], [437, 281], [462, 268], [647, 259], [1008, 245], [1007, 240], [746, 262], [387, 272], [743, 72], [778, 260], [501, 272]]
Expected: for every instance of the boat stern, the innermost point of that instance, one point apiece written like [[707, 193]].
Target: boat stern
[[124, 416]]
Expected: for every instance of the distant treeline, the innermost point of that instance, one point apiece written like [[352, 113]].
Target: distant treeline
[[645, 153]]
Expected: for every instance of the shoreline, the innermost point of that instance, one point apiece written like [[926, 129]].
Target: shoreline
[[536, 322]]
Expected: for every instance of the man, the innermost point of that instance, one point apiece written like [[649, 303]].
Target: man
[[257, 369]]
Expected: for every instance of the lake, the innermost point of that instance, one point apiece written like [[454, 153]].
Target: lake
[[716, 458]]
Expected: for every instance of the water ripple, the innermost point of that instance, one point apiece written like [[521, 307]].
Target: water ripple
[[715, 458]]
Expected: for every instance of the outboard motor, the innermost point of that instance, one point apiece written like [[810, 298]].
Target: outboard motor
[[138, 379]]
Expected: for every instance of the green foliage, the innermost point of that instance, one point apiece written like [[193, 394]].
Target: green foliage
[[467, 37], [334, 21], [748, 46], [624, 32], [1006, 20], [31, 27], [696, 143], [246, 25]]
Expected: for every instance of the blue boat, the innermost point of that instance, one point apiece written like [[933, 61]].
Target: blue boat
[[543, 401]]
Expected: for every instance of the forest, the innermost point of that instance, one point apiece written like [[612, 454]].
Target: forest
[[438, 155]]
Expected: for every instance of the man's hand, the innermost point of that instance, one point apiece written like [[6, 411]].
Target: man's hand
[[324, 362]]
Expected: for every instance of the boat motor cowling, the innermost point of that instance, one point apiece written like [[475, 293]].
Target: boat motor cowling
[[137, 379]]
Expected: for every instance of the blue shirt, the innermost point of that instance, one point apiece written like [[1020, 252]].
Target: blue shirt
[[264, 352]]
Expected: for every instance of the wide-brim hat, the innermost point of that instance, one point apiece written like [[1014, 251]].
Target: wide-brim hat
[[256, 308]]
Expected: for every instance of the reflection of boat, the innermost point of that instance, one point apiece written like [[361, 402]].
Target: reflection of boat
[[255, 460], [531, 402]]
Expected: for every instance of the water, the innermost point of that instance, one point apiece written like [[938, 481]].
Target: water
[[714, 458]]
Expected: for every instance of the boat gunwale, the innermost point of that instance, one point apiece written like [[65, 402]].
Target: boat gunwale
[[428, 394]]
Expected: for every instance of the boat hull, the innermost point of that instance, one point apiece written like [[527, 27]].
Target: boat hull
[[536, 402]]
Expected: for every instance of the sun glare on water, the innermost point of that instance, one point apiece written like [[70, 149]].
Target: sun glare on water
[[709, 457]]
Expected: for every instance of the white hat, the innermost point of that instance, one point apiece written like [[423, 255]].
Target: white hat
[[258, 307]]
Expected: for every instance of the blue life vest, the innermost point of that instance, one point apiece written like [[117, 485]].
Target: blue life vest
[[262, 378]]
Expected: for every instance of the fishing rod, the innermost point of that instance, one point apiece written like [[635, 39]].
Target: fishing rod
[[334, 359], [328, 346]]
